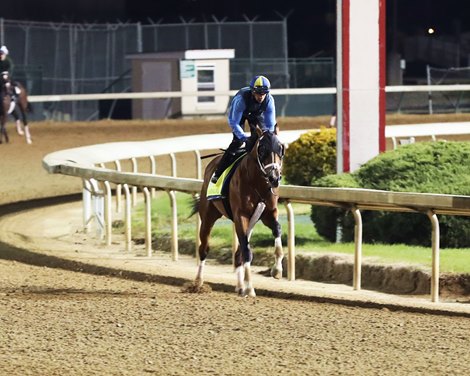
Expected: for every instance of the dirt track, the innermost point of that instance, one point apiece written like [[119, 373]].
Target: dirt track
[[56, 322]]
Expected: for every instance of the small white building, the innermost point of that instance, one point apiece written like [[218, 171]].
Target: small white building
[[205, 70], [186, 71]]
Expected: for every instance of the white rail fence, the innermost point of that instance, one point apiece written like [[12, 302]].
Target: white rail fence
[[179, 94], [429, 89], [88, 162]]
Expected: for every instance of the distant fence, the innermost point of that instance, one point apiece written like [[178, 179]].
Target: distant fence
[[290, 101], [87, 163]]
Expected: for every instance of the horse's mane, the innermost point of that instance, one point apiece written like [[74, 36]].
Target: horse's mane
[[271, 143]]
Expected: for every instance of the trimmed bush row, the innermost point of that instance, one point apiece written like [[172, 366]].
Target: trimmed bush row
[[424, 167]]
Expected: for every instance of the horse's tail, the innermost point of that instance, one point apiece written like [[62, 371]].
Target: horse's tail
[[195, 200], [29, 107]]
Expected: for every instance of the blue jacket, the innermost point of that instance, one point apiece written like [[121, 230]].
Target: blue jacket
[[245, 107]]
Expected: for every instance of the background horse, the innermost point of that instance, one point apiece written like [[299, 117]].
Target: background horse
[[22, 106], [252, 196], [18, 109], [5, 108]]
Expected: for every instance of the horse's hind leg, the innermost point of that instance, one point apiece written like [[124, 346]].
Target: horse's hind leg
[[3, 133], [25, 125], [27, 134], [207, 222], [275, 226], [18, 122]]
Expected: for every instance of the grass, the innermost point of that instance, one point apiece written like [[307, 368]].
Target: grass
[[306, 241]]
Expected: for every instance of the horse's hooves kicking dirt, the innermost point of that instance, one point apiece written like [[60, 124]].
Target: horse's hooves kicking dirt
[[192, 288]]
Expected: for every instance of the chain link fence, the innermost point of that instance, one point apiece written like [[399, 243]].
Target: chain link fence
[[64, 58]]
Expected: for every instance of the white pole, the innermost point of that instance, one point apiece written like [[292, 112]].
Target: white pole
[[428, 78]]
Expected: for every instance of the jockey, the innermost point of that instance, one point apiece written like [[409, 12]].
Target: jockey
[[6, 66], [253, 104]]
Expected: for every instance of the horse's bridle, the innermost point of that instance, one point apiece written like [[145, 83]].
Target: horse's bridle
[[266, 170]]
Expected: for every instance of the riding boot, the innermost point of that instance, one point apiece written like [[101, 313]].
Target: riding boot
[[226, 161]]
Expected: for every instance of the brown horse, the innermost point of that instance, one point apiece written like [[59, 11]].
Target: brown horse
[[17, 108], [252, 195], [5, 108]]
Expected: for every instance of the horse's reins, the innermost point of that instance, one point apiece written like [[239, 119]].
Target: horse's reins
[[213, 155]]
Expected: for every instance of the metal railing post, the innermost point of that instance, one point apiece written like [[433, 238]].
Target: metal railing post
[[148, 221], [290, 242], [107, 212], [174, 226], [128, 219], [357, 248], [435, 256], [134, 188], [118, 189]]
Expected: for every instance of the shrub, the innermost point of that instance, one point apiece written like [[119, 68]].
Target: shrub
[[432, 167], [325, 218], [312, 156]]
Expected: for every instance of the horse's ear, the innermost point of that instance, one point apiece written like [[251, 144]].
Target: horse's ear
[[276, 129], [259, 131]]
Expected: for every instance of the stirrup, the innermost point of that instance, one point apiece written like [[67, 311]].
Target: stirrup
[[214, 179]]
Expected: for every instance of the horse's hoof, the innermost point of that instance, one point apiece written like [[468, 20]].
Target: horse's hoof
[[245, 293], [20, 131], [29, 141], [276, 273], [251, 293]]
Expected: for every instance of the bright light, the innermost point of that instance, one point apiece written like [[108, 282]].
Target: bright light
[[430, 30]]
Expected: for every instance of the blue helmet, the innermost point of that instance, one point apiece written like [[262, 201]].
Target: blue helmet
[[260, 85]]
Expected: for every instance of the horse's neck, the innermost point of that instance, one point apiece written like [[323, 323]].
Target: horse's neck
[[250, 170]]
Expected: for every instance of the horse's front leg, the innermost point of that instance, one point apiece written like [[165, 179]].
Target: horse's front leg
[[25, 125], [243, 258], [19, 130], [275, 226]]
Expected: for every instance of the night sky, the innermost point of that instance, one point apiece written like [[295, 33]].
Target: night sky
[[311, 23]]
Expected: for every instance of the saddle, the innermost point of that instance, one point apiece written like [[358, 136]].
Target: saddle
[[220, 190]]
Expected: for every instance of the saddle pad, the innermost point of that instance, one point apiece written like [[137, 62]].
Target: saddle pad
[[216, 191]]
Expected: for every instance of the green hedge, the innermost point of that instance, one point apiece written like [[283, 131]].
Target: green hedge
[[425, 167], [312, 156]]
